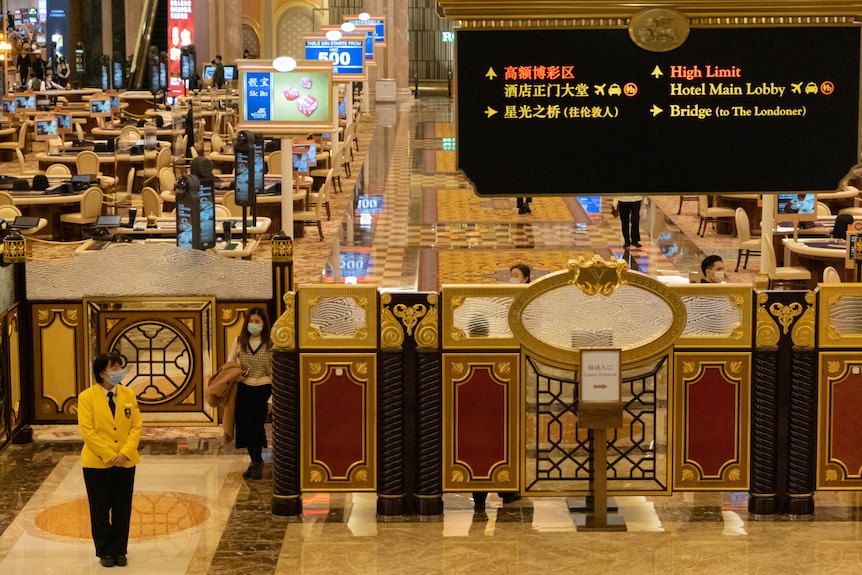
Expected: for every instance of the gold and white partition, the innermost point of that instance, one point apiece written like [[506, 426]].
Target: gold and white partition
[[839, 436], [60, 371], [168, 347], [481, 405], [478, 316], [712, 389], [594, 303], [343, 316], [338, 387]]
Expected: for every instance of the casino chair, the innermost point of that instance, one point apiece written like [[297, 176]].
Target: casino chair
[[23, 170], [831, 275], [167, 179], [823, 210], [784, 274], [91, 209], [221, 212], [335, 160], [745, 243], [229, 201], [6, 199], [322, 195], [58, 170], [20, 142], [312, 216], [130, 134], [216, 143], [152, 203], [273, 164], [709, 213], [87, 162]]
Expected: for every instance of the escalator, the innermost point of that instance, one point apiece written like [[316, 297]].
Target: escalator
[[152, 31]]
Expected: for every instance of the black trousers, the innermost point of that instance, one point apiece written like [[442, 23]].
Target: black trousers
[[251, 410], [630, 216], [110, 494]]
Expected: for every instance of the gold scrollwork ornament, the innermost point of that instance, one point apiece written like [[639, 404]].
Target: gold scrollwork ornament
[[785, 314]]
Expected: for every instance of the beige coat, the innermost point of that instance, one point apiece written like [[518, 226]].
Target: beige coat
[[221, 392]]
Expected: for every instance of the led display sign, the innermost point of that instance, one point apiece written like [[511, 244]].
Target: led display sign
[[730, 110], [273, 102], [347, 54], [379, 23]]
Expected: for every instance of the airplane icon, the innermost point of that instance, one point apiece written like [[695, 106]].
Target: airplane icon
[[796, 88]]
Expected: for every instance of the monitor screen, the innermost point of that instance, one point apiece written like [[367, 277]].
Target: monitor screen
[[108, 221], [26, 101], [209, 69], [41, 38], [9, 105], [25, 222], [46, 127], [850, 255], [300, 162], [229, 73], [64, 121], [115, 102], [100, 106], [795, 207]]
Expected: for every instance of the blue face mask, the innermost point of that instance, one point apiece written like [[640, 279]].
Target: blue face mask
[[115, 377], [255, 328]]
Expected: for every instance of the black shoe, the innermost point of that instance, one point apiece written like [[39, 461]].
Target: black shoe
[[256, 470], [637, 245], [107, 561], [523, 210], [120, 560], [510, 497], [626, 246], [247, 473]]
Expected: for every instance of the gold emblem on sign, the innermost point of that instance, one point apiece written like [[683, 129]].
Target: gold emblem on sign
[[409, 315], [785, 314], [659, 29], [596, 276]]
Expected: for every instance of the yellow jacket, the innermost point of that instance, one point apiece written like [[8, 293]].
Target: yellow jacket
[[105, 435]]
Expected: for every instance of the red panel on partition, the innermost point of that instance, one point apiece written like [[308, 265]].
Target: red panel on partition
[[846, 445], [481, 421], [712, 421], [338, 409]]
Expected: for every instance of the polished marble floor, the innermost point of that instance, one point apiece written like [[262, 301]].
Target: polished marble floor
[[407, 220], [194, 514]]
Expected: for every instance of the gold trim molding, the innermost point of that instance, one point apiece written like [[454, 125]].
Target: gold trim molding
[[597, 14], [284, 329], [740, 297]]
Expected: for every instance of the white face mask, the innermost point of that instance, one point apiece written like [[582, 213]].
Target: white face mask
[[719, 276], [514, 281]]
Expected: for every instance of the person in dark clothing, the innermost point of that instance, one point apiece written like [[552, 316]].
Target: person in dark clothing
[[218, 73], [24, 67]]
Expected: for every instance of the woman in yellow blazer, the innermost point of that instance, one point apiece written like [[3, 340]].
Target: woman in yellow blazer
[[110, 424]]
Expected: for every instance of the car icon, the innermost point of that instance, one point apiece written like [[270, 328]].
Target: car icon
[[615, 90], [811, 88]]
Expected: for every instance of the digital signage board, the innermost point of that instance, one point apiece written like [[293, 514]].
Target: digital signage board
[[367, 31], [346, 54], [379, 23], [729, 110], [273, 102]]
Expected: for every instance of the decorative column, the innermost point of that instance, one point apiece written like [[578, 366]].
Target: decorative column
[[286, 492], [783, 414]]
